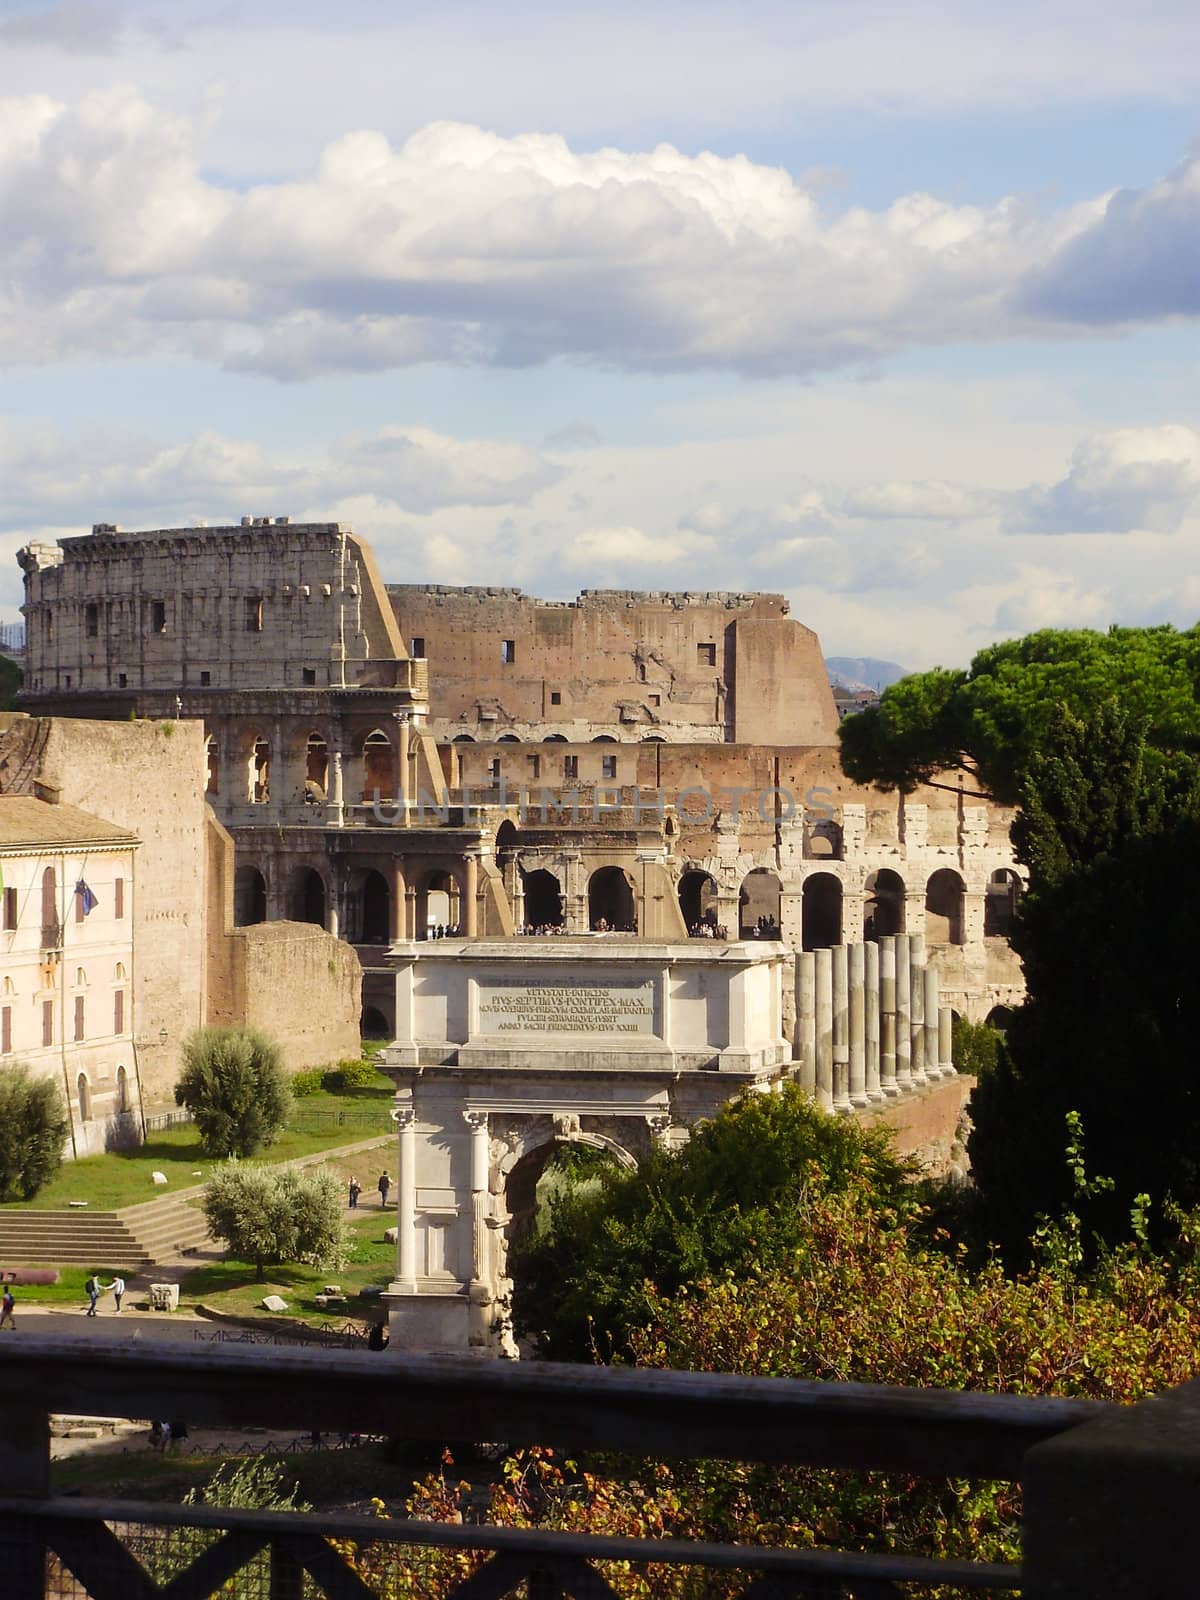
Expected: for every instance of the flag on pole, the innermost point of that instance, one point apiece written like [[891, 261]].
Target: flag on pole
[[87, 898]]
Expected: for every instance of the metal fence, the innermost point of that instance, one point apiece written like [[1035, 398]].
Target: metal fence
[[1108, 1490]]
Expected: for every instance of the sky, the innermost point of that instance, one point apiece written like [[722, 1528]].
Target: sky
[[894, 309]]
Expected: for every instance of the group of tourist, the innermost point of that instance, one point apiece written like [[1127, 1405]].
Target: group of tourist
[[442, 932], [706, 928], [530, 930], [354, 1189]]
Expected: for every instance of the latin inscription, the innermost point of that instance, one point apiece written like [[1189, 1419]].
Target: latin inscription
[[566, 1008]]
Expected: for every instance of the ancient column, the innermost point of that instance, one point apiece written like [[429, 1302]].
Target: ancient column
[[871, 1006], [477, 1122], [337, 804], [823, 1011], [903, 1015], [470, 912], [399, 901], [406, 1201], [403, 783], [933, 1061], [856, 963], [806, 1019], [946, 1042], [841, 1030], [887, 1014], [916, 961]]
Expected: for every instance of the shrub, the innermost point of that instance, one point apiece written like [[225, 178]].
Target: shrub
[[34, 1124], [272, 1215], [305, 1083], [234, 1085], [352, 1075], [975, 1047]]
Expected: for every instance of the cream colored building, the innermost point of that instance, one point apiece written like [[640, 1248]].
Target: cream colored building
[[67, 963]]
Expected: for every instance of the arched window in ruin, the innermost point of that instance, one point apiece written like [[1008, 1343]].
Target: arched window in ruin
[[316, 770], [605, 738], [122, 1090], [119, 972], [1000, 903], [258, 776], [883, 904], [463, 738], [821, 911], [611, 906], [438, 906], [556, 738], [83, 1094], [508, 738], [944, 908], [653, 738], [376, 921], [212, 766], [50, 906], [539, 1174], [999, 1017], [249, 897], [760, 905], [822, 839], [543, 899], [308, 897], [698, 898], [377, 766]]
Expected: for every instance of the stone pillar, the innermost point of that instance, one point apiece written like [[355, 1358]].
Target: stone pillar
[[337, 800], [399, 901], [403, 775], [871, 1006], [470, 912], [334, 918], [903, 1016], [856, 962], [823, 1012], [887, 1015], [946, 1041], [406, 1203], [916, 964], [933, 1060], [841, 1030], [806, 1019], [477, 1122]]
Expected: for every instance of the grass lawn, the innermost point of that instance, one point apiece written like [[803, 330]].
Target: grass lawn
[[122, 1178], [230, 1285]]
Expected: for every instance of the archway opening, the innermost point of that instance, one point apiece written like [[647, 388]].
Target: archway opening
[[374, 1024], [821, 911], [610, 901], [944, 908], [437, 911], [83, 1092], [760, 905], [548, 1170], [258, 776], [556, 738], [123, 1104], [316, 769], [377, 766], [823, 840], [543, 899], [249, 897], [1000, 903], [308, 897], [376, 909], [883, 905], [698, 900], [212, 766]]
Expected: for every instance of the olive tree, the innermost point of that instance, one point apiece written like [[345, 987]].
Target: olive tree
[[272, 1215], [34, 1123], [234, 1085]]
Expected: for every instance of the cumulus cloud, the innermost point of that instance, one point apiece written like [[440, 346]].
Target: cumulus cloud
[[1123, 481], [604, 549], [459, 245], [1048, 599], [915, 502]]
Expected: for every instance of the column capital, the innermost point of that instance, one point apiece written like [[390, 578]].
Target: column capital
[[403, 1116], [477, 1121]]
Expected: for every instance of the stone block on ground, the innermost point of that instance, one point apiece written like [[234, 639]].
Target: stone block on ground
[[273, 1302]]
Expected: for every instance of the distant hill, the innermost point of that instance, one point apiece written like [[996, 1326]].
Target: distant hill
[[862, 672]]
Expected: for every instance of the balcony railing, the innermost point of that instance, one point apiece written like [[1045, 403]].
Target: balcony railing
[[1108, 1490]]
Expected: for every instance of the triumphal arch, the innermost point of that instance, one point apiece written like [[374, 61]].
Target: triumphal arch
[[506, 1049]]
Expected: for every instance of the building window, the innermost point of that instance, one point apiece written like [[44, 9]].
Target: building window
[[655, 699], [308, 677], [706, 655], [47, 1023], [122, 680], [10, 910], [535, 766], [91, 620], [6, 1031], [78, 1018], [608, 766], [119, 897], [570, 766], [494, 770], [122, 1088], [119, 1011], [80, 904], [555, 698], [418, 650], [68, 682], [49, 623], [205, 679], [85, 1097], [508, 652], [253, 613], [158, 616]]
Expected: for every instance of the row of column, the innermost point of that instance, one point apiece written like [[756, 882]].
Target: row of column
[[869, 1022]]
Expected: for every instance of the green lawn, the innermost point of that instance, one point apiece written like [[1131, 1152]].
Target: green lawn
[[230, 1285], [325, 1477], [122, 1178]]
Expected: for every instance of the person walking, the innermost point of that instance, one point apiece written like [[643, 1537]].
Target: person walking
[[355, 1191], [92, 1290], [7, 1307], [385, 1183], [118, 1289]]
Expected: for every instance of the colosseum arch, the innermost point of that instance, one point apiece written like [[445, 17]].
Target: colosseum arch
[[1000, 903], [821, 911], [249, 897], [883, 904], [697, 897], [611, 900], [944, 907], [760, 903]]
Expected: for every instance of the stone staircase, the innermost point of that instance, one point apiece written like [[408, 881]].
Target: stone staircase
[[131, 1239]]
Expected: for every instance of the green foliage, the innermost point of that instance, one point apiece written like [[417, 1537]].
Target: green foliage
[[34, 1125], [272, 1215], [234, 1085], [975, 1046], [11, 679], [356, 1074], [302, 1084], [991, 720], [248, 1486], [733, 1199]]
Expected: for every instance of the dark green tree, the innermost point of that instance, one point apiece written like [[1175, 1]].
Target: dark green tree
[[33, 1127], [733, 1200], [234, 1085]]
